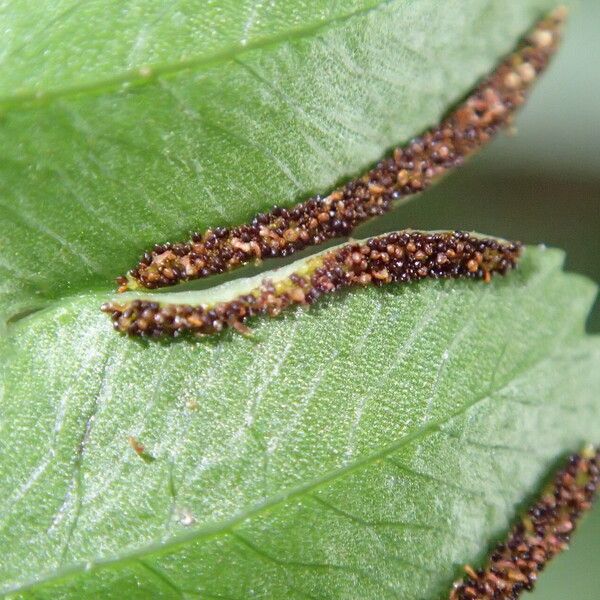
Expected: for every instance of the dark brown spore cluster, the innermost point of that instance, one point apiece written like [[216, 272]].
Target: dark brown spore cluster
[[410, 170], [395, 257], [545, 531]]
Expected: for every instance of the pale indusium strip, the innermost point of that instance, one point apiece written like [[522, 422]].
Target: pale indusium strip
[[540, 535], [409, 170], [398, 257]]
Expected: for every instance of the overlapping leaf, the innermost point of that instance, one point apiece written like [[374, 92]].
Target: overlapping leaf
[[364, 448]]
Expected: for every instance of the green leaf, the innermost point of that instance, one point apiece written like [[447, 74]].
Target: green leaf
[[364, 448], [151, 120]]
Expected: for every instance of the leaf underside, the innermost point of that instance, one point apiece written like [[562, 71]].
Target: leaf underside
[[365, 448]]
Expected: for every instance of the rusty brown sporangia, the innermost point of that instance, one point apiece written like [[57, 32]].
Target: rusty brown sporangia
[[541, 534], [409, 170], [397, 257]]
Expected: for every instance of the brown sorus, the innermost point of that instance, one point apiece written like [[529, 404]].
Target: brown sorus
[[541, 534], [409, 170], [396, 257]]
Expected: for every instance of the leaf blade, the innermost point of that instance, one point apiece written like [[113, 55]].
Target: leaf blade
[[89, 182], [214, 463]]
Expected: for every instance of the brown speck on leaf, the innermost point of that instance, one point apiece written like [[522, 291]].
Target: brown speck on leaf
[[139, 449], [137, 446]]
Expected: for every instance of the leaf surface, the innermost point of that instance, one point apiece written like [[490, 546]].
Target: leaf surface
[[363, 448]]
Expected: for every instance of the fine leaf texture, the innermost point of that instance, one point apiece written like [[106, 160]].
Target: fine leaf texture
[[364, 448], [123, 127]]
